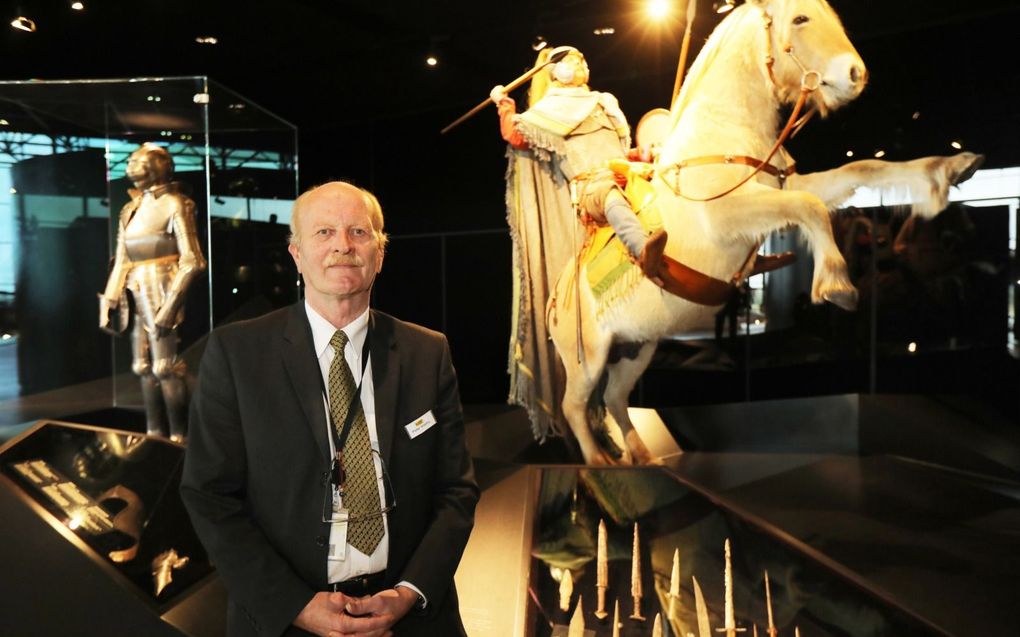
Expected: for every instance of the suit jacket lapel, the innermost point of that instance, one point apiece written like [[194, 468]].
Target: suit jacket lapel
[[303, 370], [386, 378]]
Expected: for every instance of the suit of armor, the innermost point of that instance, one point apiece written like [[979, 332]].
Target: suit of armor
[[157, 258]]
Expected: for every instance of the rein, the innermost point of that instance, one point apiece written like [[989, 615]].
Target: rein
[[809, 82]]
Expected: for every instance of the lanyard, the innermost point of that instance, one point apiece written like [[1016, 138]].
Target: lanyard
[[340, 438]]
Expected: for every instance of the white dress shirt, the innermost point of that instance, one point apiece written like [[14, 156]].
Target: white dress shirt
[[349, 563], [343, 564]]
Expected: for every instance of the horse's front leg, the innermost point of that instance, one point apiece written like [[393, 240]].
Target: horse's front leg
[[927, 180], [760, 210]]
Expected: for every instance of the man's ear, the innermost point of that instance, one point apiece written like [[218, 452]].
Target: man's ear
[[295, 253]]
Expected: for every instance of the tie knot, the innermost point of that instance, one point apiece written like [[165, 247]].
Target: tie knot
[[339, 341]]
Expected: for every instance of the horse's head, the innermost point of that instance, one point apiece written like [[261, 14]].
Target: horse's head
[[809, 47]]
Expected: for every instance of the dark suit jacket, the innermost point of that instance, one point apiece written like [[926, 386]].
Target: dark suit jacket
[[258, 448]]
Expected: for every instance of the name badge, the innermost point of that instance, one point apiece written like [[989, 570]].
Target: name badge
[[420, 424], [338, 541]]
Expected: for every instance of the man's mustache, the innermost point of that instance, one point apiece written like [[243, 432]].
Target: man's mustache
[[337, 258]]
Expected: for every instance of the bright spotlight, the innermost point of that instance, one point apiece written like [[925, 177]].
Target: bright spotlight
[[849, 153], [879, 154], [912, 347], [658, 9], [957, 144], [23, 24], [431, 60], [78, 6]]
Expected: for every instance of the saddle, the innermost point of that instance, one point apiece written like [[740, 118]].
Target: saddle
[[609, 265]]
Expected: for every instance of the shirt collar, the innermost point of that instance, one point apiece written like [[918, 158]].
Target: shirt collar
[[323, 330]]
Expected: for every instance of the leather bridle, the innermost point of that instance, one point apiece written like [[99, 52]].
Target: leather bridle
[[810, 80]]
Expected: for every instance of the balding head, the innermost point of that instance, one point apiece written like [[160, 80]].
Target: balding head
[[339, 191]]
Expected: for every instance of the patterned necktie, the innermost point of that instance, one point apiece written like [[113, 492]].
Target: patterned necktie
[[362, 496]]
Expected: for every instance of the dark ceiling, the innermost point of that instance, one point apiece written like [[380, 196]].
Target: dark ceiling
[[351, 74]]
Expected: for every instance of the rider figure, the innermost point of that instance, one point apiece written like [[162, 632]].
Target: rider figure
[[581, 130]]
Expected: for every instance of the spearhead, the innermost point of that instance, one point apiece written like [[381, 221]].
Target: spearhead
[[602, 570], [566, 589], [576, 627], [635, 577], [674, 584]]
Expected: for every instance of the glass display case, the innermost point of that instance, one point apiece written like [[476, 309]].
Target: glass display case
[[64, 150], [676, 553], [114, 494]]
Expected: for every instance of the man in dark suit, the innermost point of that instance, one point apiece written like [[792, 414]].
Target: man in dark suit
[[274, 503]]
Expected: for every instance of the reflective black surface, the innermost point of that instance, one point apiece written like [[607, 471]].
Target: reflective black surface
[[115, 496]]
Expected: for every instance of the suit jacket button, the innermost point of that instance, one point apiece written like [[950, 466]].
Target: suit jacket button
[[320, 540]]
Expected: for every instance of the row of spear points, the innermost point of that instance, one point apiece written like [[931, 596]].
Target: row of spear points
[[577, 626]]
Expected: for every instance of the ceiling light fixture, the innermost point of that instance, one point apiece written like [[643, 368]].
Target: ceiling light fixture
[[23, 24], [957, 144], [604, 31], [879, 154], [78, 6], [4, 122], [849, 153], [723, 6], [206, 39], [657, 9], [432, 61]]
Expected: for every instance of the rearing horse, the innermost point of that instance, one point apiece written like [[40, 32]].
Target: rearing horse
[[765, 54]]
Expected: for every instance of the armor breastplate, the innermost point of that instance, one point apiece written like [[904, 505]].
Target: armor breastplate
[[148, 234]]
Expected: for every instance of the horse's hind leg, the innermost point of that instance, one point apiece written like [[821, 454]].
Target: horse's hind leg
[[582, 375], [623, 375], [582, 378]]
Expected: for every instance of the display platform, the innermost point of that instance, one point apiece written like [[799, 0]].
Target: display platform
[[96, 539], [874, 515], [859, 518], [558, 532], [936, 542]]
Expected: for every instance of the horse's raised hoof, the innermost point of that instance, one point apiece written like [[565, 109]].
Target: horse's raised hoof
[[832, 284], [963, 166]]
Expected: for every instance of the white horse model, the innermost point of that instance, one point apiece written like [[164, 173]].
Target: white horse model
[[766, 53]]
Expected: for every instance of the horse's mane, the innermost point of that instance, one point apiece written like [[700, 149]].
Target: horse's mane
[[729, 29]]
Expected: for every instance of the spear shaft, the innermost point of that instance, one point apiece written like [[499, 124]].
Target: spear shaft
[[556, 57]]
